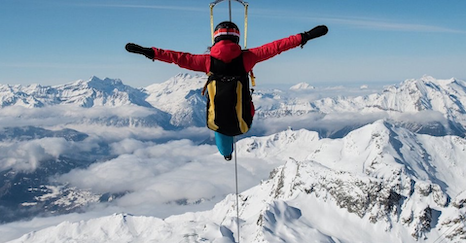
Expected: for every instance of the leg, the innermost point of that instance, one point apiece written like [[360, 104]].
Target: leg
[[224, 144]]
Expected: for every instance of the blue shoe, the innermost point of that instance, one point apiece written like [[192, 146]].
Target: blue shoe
[[224, 144]]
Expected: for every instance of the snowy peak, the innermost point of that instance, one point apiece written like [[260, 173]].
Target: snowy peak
[[27, 96], [302, 86], [181, 97], [118, 104], [114, 228], [413, 95], [365, 198], [181, 83], [93, 92], [98, 92], [100, 84], [282, 145], [423, 94], [424, 105], [427, 80], [106, 86], [381, 173]]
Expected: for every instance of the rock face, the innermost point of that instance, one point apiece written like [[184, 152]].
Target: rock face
[[377, 174]]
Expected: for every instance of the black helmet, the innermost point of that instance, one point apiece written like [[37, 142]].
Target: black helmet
[[226, 31]]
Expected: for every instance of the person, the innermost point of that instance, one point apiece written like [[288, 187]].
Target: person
[[224, 51]]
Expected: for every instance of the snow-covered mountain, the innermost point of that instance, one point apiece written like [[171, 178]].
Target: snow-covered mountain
[[412, 95], [425, 105], [181, 97], [362, 166], [302, 86], [380, 183], [93, 92]]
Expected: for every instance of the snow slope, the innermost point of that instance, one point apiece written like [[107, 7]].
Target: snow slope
[[383, 167], [181, 97], [380, 183]]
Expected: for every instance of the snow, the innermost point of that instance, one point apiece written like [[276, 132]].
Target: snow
[[314, 198], [301, 86], [381, 181], [181, 97]]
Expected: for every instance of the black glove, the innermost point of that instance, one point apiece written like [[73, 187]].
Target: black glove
[[317, 31], [148, 52]]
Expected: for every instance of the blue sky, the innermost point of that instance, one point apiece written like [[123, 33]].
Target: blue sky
[[54, 41]]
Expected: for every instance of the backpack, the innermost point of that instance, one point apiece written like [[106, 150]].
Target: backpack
[[229, 103]]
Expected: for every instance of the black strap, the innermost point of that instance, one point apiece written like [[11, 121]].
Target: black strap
[[235, 68]]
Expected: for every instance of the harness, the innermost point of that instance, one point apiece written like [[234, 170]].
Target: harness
[[229, 104]]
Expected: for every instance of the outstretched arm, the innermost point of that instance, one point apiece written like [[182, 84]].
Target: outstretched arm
[[183, 59], [272, 49]]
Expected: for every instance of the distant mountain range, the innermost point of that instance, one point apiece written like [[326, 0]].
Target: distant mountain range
[[379, 167], [179, 100]]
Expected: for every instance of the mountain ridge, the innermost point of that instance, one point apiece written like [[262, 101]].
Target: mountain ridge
[[390, 189], [390, 161], [180, 99]]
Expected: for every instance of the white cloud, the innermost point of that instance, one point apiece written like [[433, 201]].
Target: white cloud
[[160, 7], [383, 24], [124, 139], [27, 155], [316, 121], [67, 114], [151, 175], [136, 167], [127, 146], [422, 117]]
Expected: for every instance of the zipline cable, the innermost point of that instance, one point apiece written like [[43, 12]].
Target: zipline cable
[[229, 8], [237, 194]]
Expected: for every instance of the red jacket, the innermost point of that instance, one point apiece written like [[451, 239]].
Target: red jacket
[[226, 51]]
